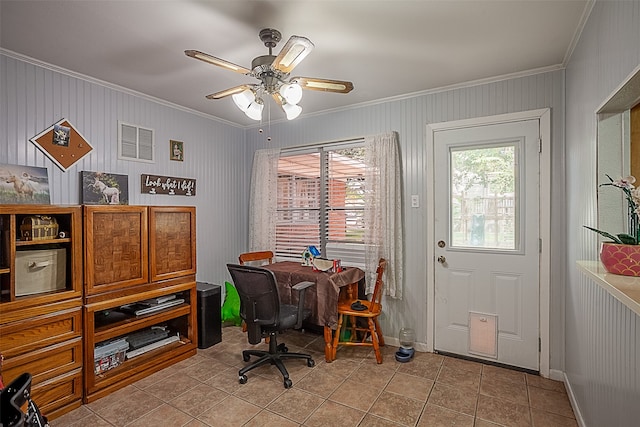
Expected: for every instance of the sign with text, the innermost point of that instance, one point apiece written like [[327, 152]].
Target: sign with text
[[152, 184]]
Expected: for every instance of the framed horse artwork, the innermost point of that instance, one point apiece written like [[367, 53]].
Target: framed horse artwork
[[101, 188], [24, 184]]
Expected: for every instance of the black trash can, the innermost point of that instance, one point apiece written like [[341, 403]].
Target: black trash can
[[209, 316]]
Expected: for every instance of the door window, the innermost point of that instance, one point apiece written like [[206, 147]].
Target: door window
[[483, 190]]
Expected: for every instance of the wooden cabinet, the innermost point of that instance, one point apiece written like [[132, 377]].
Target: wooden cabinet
[[132, 254], [41, 305]]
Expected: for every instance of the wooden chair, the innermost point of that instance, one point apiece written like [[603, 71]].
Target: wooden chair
[[256, 258], [358, 334]]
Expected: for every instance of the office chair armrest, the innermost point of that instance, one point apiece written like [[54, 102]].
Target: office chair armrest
[[301, 288]]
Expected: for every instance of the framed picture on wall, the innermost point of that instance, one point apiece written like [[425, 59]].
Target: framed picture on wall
[[101, 188], [24, 184], [176, 150]]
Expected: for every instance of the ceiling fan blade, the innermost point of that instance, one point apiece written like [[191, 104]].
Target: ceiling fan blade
[[294, 51], [217, 61], [325, 85], [228, 92]]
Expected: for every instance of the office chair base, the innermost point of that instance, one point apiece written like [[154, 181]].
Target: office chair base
[[274, 356]]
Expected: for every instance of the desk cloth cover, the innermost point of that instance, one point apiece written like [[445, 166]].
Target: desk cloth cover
[[321, 299]]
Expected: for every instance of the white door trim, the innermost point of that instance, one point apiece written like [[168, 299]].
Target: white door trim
[[544, 115]]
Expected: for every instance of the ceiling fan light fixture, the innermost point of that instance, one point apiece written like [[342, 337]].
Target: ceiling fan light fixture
[[291, 110], [244, 99], [274, 75], [254, 111], [291, 92]]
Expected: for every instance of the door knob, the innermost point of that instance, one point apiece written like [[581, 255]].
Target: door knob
[[442, 259]]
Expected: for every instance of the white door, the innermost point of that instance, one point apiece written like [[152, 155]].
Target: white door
[[487, 242]]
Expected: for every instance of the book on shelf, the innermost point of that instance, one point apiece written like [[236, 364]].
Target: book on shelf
[[146, 336], [137, 352], [140, 308], [159, 300]]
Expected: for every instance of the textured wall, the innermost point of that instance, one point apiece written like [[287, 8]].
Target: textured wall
[[602, 355], [32, 98], [409, 116]]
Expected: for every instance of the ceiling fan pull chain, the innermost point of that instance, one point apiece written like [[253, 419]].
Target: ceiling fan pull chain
[[269, 115]]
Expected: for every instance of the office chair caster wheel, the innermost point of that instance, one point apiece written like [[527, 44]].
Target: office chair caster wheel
[[311, 363], [282, 348], [288, 383], [246, 357], [242, 379]]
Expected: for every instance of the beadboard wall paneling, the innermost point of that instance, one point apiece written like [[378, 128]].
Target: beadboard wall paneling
[[602, 354], [32, 98], [215, 155], [409, 118]]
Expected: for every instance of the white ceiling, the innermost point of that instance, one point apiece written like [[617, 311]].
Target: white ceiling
[[386, 48]]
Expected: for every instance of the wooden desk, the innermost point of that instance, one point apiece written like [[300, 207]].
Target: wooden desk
[[321, 299]]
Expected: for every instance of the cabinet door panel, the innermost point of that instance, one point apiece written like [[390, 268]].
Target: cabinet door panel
[[172, 242], [116, 247]]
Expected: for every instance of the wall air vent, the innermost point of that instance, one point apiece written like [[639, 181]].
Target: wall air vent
[[135, 143]]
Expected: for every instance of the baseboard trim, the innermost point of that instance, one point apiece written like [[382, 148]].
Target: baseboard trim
[[556, 375], [573, 401]]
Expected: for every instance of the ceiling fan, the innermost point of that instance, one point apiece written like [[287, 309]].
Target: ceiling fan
[[274, 75]]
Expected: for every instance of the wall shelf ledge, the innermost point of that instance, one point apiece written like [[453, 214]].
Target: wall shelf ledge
[[625, 289]]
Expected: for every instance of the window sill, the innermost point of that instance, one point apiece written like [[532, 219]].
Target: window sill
[[625, 289]]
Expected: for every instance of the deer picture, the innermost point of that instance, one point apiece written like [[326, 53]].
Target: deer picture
[[23, 188], [111, 194]]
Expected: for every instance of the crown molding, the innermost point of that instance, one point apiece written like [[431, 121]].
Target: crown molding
[[112, 86]]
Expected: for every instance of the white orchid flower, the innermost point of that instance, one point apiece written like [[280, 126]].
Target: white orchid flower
[[626, 182]]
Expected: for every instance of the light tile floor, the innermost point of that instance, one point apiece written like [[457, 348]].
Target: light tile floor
[[430, 390]]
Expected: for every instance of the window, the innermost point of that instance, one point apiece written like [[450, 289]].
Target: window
[[320, 201], [483, 191], [345, 198], [135, 143]]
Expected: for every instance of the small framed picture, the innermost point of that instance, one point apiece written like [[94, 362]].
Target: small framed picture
[[176, 150], [61, 135]]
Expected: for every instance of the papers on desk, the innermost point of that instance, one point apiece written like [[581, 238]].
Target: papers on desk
[[328, 265]]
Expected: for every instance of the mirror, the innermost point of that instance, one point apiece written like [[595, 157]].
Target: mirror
[[618, 150]]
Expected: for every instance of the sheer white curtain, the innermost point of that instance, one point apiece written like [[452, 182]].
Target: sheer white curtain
[[383, 211], [263, 200]]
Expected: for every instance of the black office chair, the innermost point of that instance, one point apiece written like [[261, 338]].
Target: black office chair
[[13, 398], [265, 316]]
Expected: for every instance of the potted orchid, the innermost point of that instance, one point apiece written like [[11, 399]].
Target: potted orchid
[[622, 254]]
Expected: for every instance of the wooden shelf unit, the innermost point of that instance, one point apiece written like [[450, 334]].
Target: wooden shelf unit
[[41, 332], [133, 253]]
